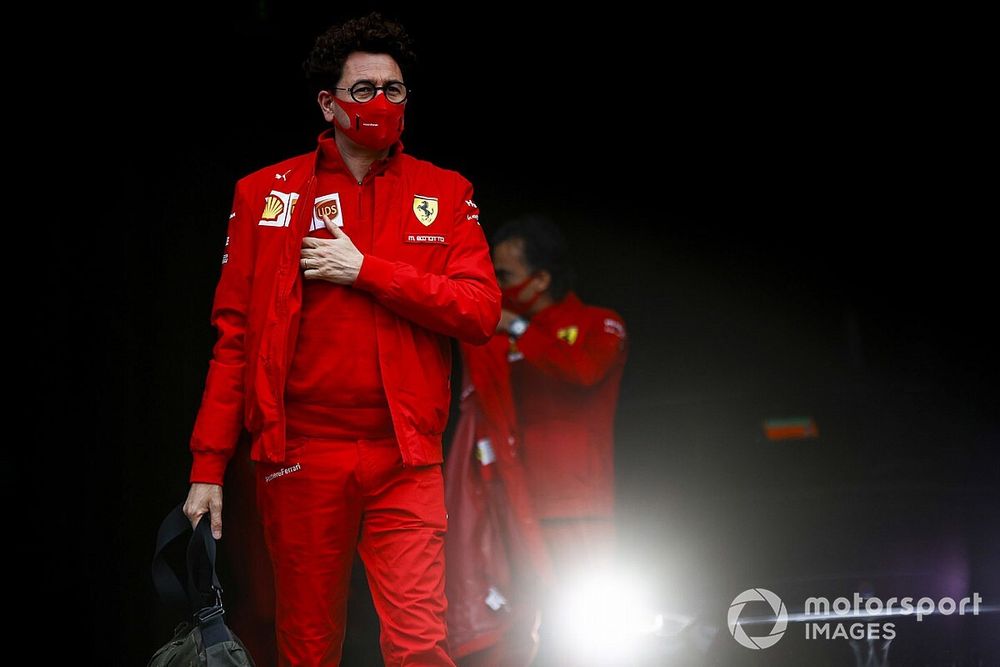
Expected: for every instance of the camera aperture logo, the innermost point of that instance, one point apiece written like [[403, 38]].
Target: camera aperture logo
[[736, 628]]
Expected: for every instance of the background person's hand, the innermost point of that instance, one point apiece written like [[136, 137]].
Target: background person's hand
[[506, 319], [205, 498], [336, 260]]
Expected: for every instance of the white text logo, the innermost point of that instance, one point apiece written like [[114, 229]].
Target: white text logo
[[283, 471]]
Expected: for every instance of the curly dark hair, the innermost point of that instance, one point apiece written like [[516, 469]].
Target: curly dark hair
[[545, 249], [370, 34]]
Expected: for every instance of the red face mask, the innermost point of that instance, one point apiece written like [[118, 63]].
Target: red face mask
[[376, 124], [511, 296]]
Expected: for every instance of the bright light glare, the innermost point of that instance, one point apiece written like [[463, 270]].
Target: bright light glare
[[602, 617]]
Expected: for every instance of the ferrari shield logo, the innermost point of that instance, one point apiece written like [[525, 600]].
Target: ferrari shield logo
[[425, 208], [568, 334]]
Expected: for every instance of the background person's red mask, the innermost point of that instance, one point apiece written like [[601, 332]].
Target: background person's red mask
[[510, 296], [376, 124]]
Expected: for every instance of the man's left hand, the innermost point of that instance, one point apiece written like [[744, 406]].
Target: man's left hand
[[335, 260]]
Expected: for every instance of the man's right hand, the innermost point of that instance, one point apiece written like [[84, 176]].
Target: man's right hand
[[204, 498]]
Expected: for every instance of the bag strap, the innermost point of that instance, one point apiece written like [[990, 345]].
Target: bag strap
[[168, 584], [201, 552], [202, 579]]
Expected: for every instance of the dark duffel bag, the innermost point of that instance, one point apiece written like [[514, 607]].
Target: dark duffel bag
[[204, 641]]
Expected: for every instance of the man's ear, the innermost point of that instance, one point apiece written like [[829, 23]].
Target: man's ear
[[543, 280], [328, 106]]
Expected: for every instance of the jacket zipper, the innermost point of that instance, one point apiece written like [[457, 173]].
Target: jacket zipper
[[284, 289]]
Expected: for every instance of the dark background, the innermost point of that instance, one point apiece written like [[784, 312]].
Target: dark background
[[789, 212]]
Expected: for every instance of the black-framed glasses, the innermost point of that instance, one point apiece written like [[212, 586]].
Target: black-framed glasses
[[364, 91]]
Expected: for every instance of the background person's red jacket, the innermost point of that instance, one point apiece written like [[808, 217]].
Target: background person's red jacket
[[566, 371], [434, 281]]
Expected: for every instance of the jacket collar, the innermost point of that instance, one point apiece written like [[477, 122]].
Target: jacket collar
[[569, 302], [328, 156]]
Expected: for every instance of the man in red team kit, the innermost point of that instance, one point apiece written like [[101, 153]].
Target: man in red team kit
[[345, 272], [566, 361]]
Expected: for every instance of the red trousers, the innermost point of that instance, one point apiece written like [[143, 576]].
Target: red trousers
[[330, 498]]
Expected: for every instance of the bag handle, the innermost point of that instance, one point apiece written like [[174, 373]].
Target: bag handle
[[202, 579], [201, 552]]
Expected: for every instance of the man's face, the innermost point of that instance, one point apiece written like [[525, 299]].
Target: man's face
[[375, 67], [512, 270], [359, 66], [508, 261]]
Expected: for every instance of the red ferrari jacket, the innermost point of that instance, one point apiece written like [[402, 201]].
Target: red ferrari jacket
[[429, 270], [566, 371], [494, 551]]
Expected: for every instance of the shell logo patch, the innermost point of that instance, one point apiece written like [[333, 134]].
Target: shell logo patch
[[425, 208], [278, 209], [568, 334], [273, 207]]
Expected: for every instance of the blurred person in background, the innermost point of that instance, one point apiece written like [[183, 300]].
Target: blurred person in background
[[566, 362], [531, 469]]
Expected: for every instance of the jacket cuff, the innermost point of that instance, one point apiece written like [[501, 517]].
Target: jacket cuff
[[208, 468], [375, 275]]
